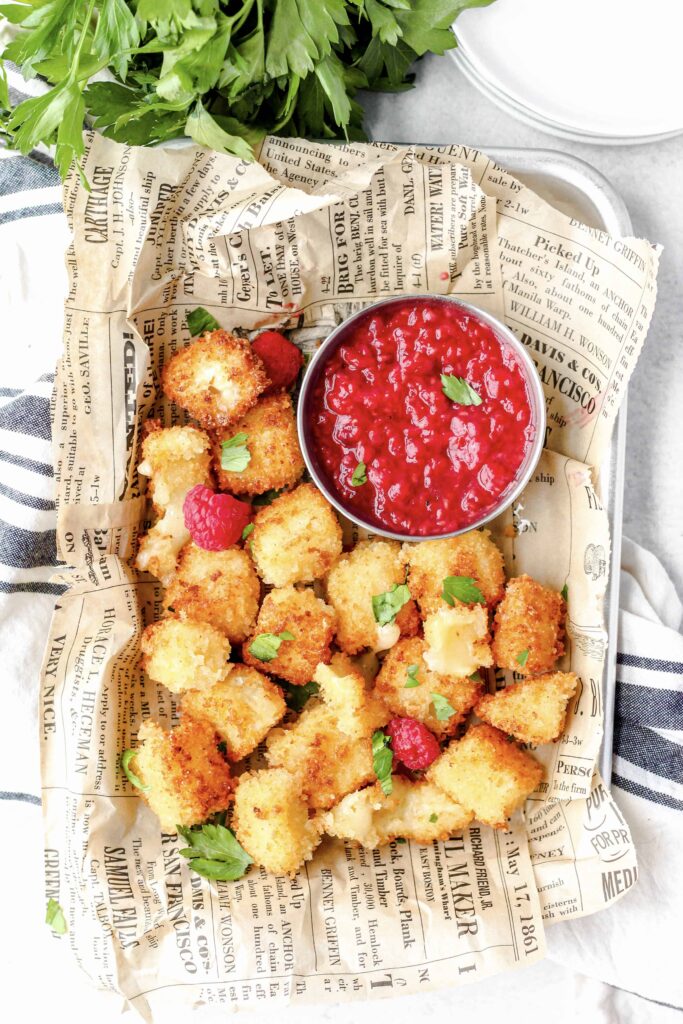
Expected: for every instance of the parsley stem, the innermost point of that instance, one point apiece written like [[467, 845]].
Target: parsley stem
[[73, 73]]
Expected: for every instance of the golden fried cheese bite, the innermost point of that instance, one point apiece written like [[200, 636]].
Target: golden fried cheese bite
[[528, 629], [487, 774], [471, 554], [273, 446], [271, 821], [175, 459], [311, 625], [373, 567], [242, 708], [457, 640], [296, 539], [404, 666], [188, 779], [413, 810], [185, 655], [327, 763], [215, 378], [534, 710], [343, 690], [219, 587]]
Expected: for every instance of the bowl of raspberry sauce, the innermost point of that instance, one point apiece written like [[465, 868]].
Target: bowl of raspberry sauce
[[421, 417]]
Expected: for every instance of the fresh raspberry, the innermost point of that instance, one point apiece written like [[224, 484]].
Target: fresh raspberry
[[281, 359], [413, 743], [215, 521]]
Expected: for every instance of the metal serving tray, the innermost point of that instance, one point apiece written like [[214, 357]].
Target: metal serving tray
[[576, 188]]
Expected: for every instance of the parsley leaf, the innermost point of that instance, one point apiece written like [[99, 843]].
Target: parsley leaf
[[214, 852], [433, 818], [235, 456], [266, 645], [475, 677], [359, 475], [565, 592], [202, 127], [54, 916], [442, 708], [135, 780], [413, 681], [521, 658], [461, 588], [386, 606], [382, 759], [459, 391], [296, 697], [249, 528], [267, 498], [199, 321]]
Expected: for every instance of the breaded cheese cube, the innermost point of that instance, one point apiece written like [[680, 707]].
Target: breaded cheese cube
[[528, 629], [461, 693], [296, 539], [534, 710], [219, 587], [457, 640], [276, 460], [175, 459], [327, 763], [471, 554], [311, 623], [242, 708], [372, 568], [188, 778], [487, 774], [413, 810], [216, 378], [343, 690], [185, 655], [271, 821]]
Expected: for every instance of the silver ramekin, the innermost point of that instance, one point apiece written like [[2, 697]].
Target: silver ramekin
[[316, 368]]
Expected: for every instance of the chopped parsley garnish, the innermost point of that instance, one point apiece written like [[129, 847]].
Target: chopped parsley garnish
[[199, 321], [412, 677], [442, 709], [565, 592], [126, 757], [249, 528], [214, 852], [267, 498], [382, 759], [475, 677], [461, 588], [386, 606], [54, 916], [359, 475], [296, 697], [521, 658], [459, 391], [235, 456], [266, 645], [433, 818]]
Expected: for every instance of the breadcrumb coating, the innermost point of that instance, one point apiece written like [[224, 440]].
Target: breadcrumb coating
[[242, 708], [487, 774], [272, 823], [216, 378], [296, 539], [471, 554], [272, 441], [327, 763], [188, 778], [528, 629], [219, 587], [534, 710], [185, 655], [413, 810], [462, 693], [343, 690], [370, 569], [457, 640], [308, 619]]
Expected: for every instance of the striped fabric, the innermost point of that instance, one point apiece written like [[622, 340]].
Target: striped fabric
[[648, 740]]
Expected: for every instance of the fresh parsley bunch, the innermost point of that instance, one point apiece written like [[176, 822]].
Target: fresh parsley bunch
[[224, 73]]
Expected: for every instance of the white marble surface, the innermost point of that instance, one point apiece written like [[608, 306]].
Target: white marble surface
[[443, 108]]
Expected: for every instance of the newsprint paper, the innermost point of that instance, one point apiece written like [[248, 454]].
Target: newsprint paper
[[299, 239]]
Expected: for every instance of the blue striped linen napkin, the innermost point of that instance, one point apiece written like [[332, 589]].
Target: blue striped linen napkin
[[632, 948]]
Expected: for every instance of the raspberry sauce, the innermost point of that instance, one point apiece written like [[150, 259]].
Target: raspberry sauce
[[432, 465]]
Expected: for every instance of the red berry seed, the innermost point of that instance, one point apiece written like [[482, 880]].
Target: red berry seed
[[281, 358], [215, 521], [413, 743]]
